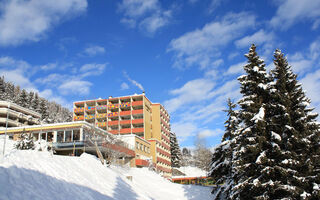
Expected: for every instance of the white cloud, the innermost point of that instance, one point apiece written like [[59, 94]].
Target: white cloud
[[191, 92], [23, 21], [92, 69], [235, 69], [147, 14], [293, 11], [49, 66], [214, 5], [75, 87], [134, 82], [210, 133], [124, 86], [257, 38], [184, 130], [153, 23], [94, 50], [198, 47]]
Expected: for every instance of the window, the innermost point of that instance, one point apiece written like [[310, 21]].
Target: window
[[76, 135], [68, 136], [137, 145], [60, 135], [50, 136]]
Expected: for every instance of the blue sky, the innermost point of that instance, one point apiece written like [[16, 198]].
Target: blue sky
[[186, 54]]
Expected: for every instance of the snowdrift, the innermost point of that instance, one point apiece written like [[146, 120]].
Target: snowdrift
[[33, 175]]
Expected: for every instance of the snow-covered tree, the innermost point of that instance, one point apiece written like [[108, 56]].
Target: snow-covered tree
[[25, 142], [175, 151], [30, 99], [2, 89], [9, 92], [256, 149], [221, 165], [298, 131], [23, 99], [186, 157], [35, 103], [16, 92], [44, 110], [202, 155]]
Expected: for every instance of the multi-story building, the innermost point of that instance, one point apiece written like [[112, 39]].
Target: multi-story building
[[131, 115], [16, 115]]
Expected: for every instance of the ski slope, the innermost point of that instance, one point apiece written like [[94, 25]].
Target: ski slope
[[35, 175]]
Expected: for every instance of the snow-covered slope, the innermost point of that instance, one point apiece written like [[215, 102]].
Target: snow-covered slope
[[32, 175], [190, 171]]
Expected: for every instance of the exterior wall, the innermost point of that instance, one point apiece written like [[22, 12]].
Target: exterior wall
[[147, 115], [17, 115], [156, 121]]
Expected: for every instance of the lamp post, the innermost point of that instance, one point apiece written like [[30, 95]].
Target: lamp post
[[5, 133]]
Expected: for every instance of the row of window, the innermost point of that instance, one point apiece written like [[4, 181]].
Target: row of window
[[142, 147]]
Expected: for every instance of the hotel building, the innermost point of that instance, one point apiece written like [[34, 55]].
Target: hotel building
[[132, 115], [16, 115]]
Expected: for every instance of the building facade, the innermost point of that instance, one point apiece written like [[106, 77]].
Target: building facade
[[16, 115], [132, 115]]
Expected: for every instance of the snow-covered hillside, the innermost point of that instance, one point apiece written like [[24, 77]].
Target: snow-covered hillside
[[32, 175]]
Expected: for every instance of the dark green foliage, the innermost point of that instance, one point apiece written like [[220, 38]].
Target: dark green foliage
[[2, 89], [175, 151], [25, 142], [23, 99]]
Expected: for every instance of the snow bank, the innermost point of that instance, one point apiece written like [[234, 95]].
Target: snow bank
[[191, 172], [33, 175]]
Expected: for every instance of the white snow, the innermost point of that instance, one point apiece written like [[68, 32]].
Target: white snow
[[38, 175], [259, 116], [260, 157], [190, 171], [276, 136]]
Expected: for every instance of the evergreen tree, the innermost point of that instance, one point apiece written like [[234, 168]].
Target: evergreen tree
[[175, 151], [30, 99], [35, 103], [2, 89], [17, 92], [202, 155], [23, 99], [256, 149], [221, 165], [10, 92], [44, 110], [299, 134]]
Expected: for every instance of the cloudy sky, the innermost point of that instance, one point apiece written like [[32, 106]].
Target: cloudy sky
[[186, 54]]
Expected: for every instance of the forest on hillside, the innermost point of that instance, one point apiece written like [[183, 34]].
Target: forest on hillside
[[51, 111]]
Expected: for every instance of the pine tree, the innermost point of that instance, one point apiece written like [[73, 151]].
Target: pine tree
[[221, 164], [2, 89], [17, 92], [299, 133], [35, 103], [255, 153], [10, 92], [175, 151], [23, 99], [44, 110], [30, 99]]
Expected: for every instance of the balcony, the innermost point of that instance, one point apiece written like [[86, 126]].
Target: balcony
[[125, 130], [142, 163], [78, 110], [78, 118], [99, 116], [137, 121], [137, 103], [124, 113], [102, 124], [135, 112], [137, 130], [113, 106], [113, 114], [89, 117], [125, 104], [125, 122], [113, 123], [102, 107], [114, 132]]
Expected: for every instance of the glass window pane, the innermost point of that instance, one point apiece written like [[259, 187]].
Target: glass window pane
[[68, 136], [60, 136], [76, 135]]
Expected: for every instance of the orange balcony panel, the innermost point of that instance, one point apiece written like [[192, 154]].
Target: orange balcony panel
[[123, 113], [125, 122], [137, 112], [137, 121], [138, 130], [137, 103], [125, 130], [142, 163], [114, 131], [112, 123]]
